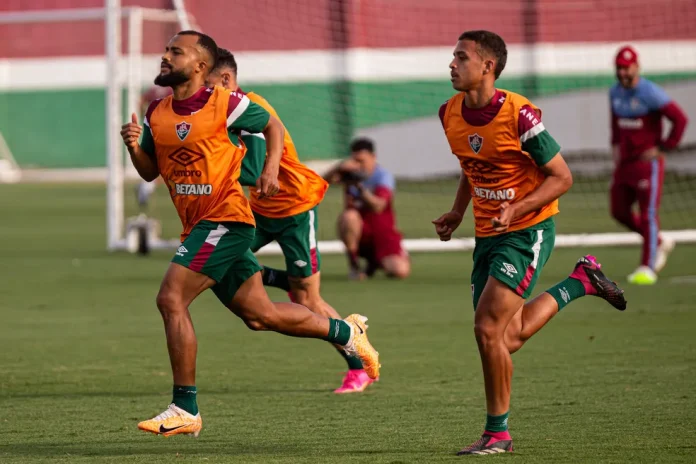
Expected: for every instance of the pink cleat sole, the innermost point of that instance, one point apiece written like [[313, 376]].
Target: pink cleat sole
[[355, 381]]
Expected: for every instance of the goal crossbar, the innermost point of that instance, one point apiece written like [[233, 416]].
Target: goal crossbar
[[83, 14]]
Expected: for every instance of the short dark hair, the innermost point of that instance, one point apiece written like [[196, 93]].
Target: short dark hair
[[361, 144], [490, 43], [225, 59], [207, 43]]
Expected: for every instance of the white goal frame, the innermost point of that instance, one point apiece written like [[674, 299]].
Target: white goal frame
[[117, 75], [129, 74]]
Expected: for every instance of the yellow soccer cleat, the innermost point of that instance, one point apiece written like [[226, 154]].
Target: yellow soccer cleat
[[642, 276], [173, 421], [360, 346]]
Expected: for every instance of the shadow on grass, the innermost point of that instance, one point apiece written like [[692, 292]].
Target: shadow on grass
[[251, 391], [178, 447]]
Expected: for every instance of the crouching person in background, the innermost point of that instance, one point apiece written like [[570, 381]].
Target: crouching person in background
[[367, 225]]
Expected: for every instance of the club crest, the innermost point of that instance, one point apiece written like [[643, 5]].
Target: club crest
[[475, 142], [183, 129]]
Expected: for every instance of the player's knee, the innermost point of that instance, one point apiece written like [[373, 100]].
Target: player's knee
[[397, 267], [167, 302], [400, 271], [255, 324], [350, 219], [487, 334], [259, 321]]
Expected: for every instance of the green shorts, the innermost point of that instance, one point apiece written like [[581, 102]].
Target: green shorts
[[220, 251], [514, 258], [296, 236]]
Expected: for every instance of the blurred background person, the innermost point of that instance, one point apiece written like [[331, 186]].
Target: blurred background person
[[367, 225]]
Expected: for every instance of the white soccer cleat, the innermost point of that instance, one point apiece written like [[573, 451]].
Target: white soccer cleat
[[663, 252], [173, 421]]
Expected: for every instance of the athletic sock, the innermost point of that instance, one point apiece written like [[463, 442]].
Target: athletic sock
[[339, 332], [353, 361], [185, 398], [566, 291], [497, 424], [275, 278]]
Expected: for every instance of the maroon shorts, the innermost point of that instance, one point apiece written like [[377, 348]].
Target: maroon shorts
[[375, 245]]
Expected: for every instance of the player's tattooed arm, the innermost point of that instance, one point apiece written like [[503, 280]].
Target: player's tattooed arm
[[142, 156], [446, 224]]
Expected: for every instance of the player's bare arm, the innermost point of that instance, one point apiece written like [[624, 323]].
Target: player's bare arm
[[558, 181], [267, 184], [145, 164], [446, 224]]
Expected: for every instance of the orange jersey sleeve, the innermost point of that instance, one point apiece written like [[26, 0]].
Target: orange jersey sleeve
[[301, 189], [199, 163], [493, 160]]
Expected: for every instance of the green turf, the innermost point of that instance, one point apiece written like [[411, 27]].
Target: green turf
[[583, 210], [84, 359]]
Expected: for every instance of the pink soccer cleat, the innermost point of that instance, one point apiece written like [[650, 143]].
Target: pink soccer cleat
[[356, 380], [588, 271]]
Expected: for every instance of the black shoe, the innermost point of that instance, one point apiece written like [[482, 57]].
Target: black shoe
[[588, 270], [487, 445]]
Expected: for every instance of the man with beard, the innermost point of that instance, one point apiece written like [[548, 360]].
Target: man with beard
[[637, 110], [185, 140]]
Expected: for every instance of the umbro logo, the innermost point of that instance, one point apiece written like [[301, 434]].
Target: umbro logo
[[181, 250], [509, 269], [564, 294], [300, 263]]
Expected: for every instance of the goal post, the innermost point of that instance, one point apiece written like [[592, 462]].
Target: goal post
[[350, 69]]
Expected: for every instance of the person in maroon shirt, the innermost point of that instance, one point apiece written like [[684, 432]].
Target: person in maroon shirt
[[638, 107], [367, 225]]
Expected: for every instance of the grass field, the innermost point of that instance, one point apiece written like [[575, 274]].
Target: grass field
[[85, 357]]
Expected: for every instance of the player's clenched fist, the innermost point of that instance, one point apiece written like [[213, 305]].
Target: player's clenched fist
[[267, 184], [446, 224], [508, 213], [131, 132]]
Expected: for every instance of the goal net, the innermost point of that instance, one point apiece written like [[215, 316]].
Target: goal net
[[379, 68], [336, 69], [68, 79]]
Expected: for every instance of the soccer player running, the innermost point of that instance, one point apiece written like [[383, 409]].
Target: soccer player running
[[513, 171], [637, 110], [185, 140], [290, 217]]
